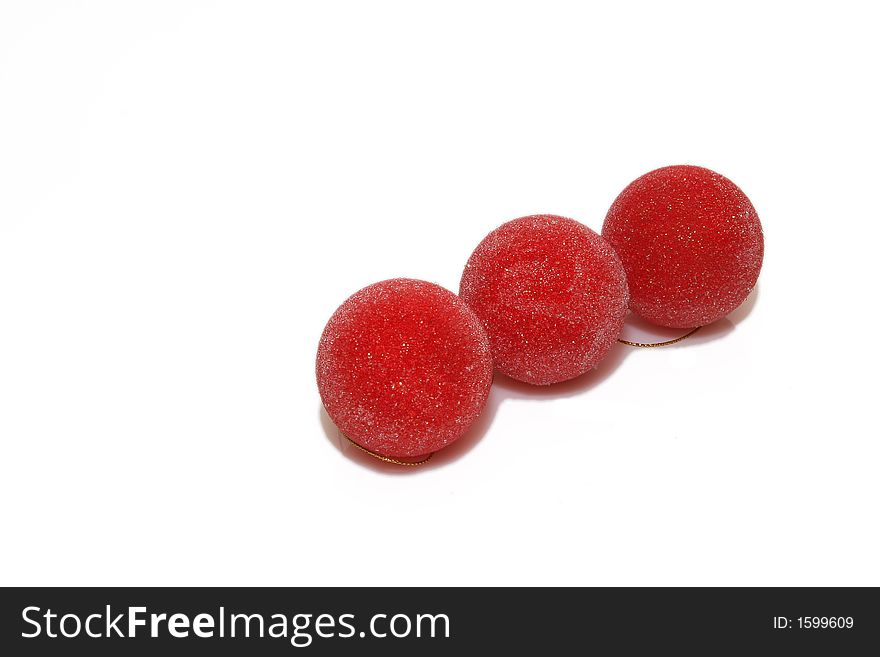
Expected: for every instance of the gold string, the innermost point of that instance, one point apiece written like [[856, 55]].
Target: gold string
[[388, 459], [658, 344]]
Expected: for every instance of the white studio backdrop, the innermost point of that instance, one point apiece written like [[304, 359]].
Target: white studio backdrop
[[189, 189]]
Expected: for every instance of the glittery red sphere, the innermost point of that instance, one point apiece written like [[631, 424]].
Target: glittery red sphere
[[552, 296], [690, 242], [404, 367]]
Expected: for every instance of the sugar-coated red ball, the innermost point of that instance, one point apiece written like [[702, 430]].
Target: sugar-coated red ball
[[404, 368], [552, 295], [691, 244]]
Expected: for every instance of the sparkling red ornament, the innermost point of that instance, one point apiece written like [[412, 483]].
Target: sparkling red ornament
[[691, 244], [552, 295], [404, 368]]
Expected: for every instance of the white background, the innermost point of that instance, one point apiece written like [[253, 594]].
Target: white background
[[188, 190]]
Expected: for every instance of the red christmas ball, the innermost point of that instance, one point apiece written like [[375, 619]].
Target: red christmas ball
[[552, 296], [690, 242], [404, 368]]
